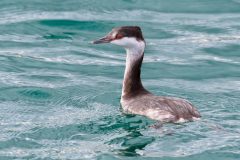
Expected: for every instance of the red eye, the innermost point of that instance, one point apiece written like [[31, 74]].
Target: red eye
[[119, 36]]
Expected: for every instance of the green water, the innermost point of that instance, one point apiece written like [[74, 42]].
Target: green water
[[59, 94]]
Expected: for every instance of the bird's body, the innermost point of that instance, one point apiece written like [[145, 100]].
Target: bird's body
[[164, 109], [135, 98]]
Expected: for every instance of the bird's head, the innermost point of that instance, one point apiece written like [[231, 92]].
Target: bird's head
[[129, 37]]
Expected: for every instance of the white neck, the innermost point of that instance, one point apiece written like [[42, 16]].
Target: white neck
[[134, 50]]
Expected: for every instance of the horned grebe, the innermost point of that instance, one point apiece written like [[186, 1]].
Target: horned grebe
[[135, 98]]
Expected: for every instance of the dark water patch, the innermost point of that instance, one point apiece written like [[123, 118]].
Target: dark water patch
[[35, 93], [57, 36], [77, 25], [134, 142], [55, 29], [129, 123]]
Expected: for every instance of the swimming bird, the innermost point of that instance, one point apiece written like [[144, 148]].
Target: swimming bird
[[135, 99]]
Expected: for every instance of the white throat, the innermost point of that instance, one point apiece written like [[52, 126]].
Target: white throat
[[131, 44], [134, 49]]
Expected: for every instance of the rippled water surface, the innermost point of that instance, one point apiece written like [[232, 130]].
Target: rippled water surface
[[59, 94]]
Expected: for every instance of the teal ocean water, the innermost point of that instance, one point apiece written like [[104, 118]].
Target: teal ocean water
[[59, 94]]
